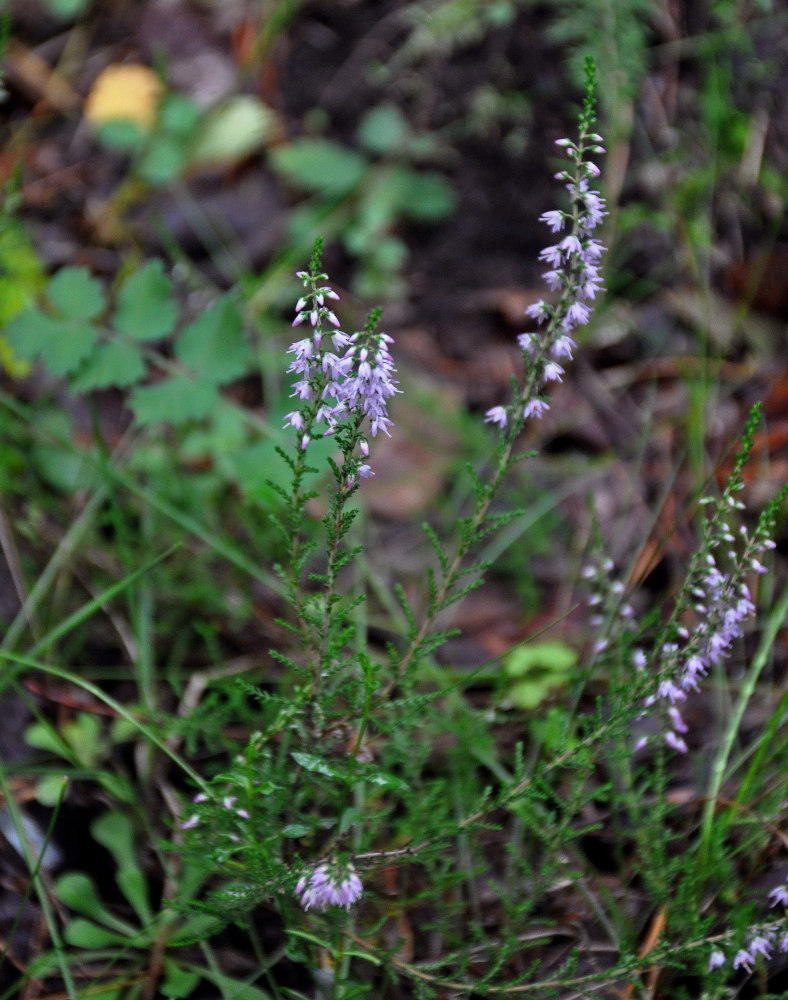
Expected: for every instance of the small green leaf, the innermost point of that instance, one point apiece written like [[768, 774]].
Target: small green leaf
[[163, 160], [233, 130], [43, 737], [114, 831], [296, 830], [384, 129], [49, 789], [426, 196], [85, 934], [134, 886], [214, 345], [146, 309], [83, 735], [551, 656], [76, 294], [178, 982], [114, 363], [319, 165], [78, 893], [312, 763]]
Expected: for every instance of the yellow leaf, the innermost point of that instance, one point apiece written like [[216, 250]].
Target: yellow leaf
[[129, 92]]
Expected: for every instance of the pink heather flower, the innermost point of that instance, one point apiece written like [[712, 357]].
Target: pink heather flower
[[329, 885], [535, 408], [497, 415], [716, 959], [779, 895], [562, 348], [555, 220], [573, 272]]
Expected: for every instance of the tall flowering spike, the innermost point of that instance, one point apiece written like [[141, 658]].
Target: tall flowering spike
[[341, 378], [329, 884], [573, 273]]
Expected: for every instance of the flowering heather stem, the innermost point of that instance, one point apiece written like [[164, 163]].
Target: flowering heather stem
[[575, 274]]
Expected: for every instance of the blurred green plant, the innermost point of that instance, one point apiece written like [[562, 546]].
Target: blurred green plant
[[367, 194]]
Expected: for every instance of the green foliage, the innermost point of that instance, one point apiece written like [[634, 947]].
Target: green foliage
[[373, 192]]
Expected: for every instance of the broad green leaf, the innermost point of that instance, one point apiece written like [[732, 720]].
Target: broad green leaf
[[114, 363], [319, 165], [233, 130], [76, 294], [49, 789], [78, 893], [214, 345], [44, 737], [146, 309], [425, 195], [384, 129], [115, 831], [175, 400]]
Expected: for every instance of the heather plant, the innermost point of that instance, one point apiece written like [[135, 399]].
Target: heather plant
[[354, 810], [368, 809]]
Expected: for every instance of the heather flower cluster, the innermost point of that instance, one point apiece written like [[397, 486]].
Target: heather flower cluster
[[341, 377], [722, 601], [573, 275], [327, 885], [763, 940]]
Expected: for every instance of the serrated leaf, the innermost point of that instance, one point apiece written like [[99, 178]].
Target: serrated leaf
[[214, 345], [146, 309], [175, 400], [114, 363], [61, 343], [76, 294], [319, 165]]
